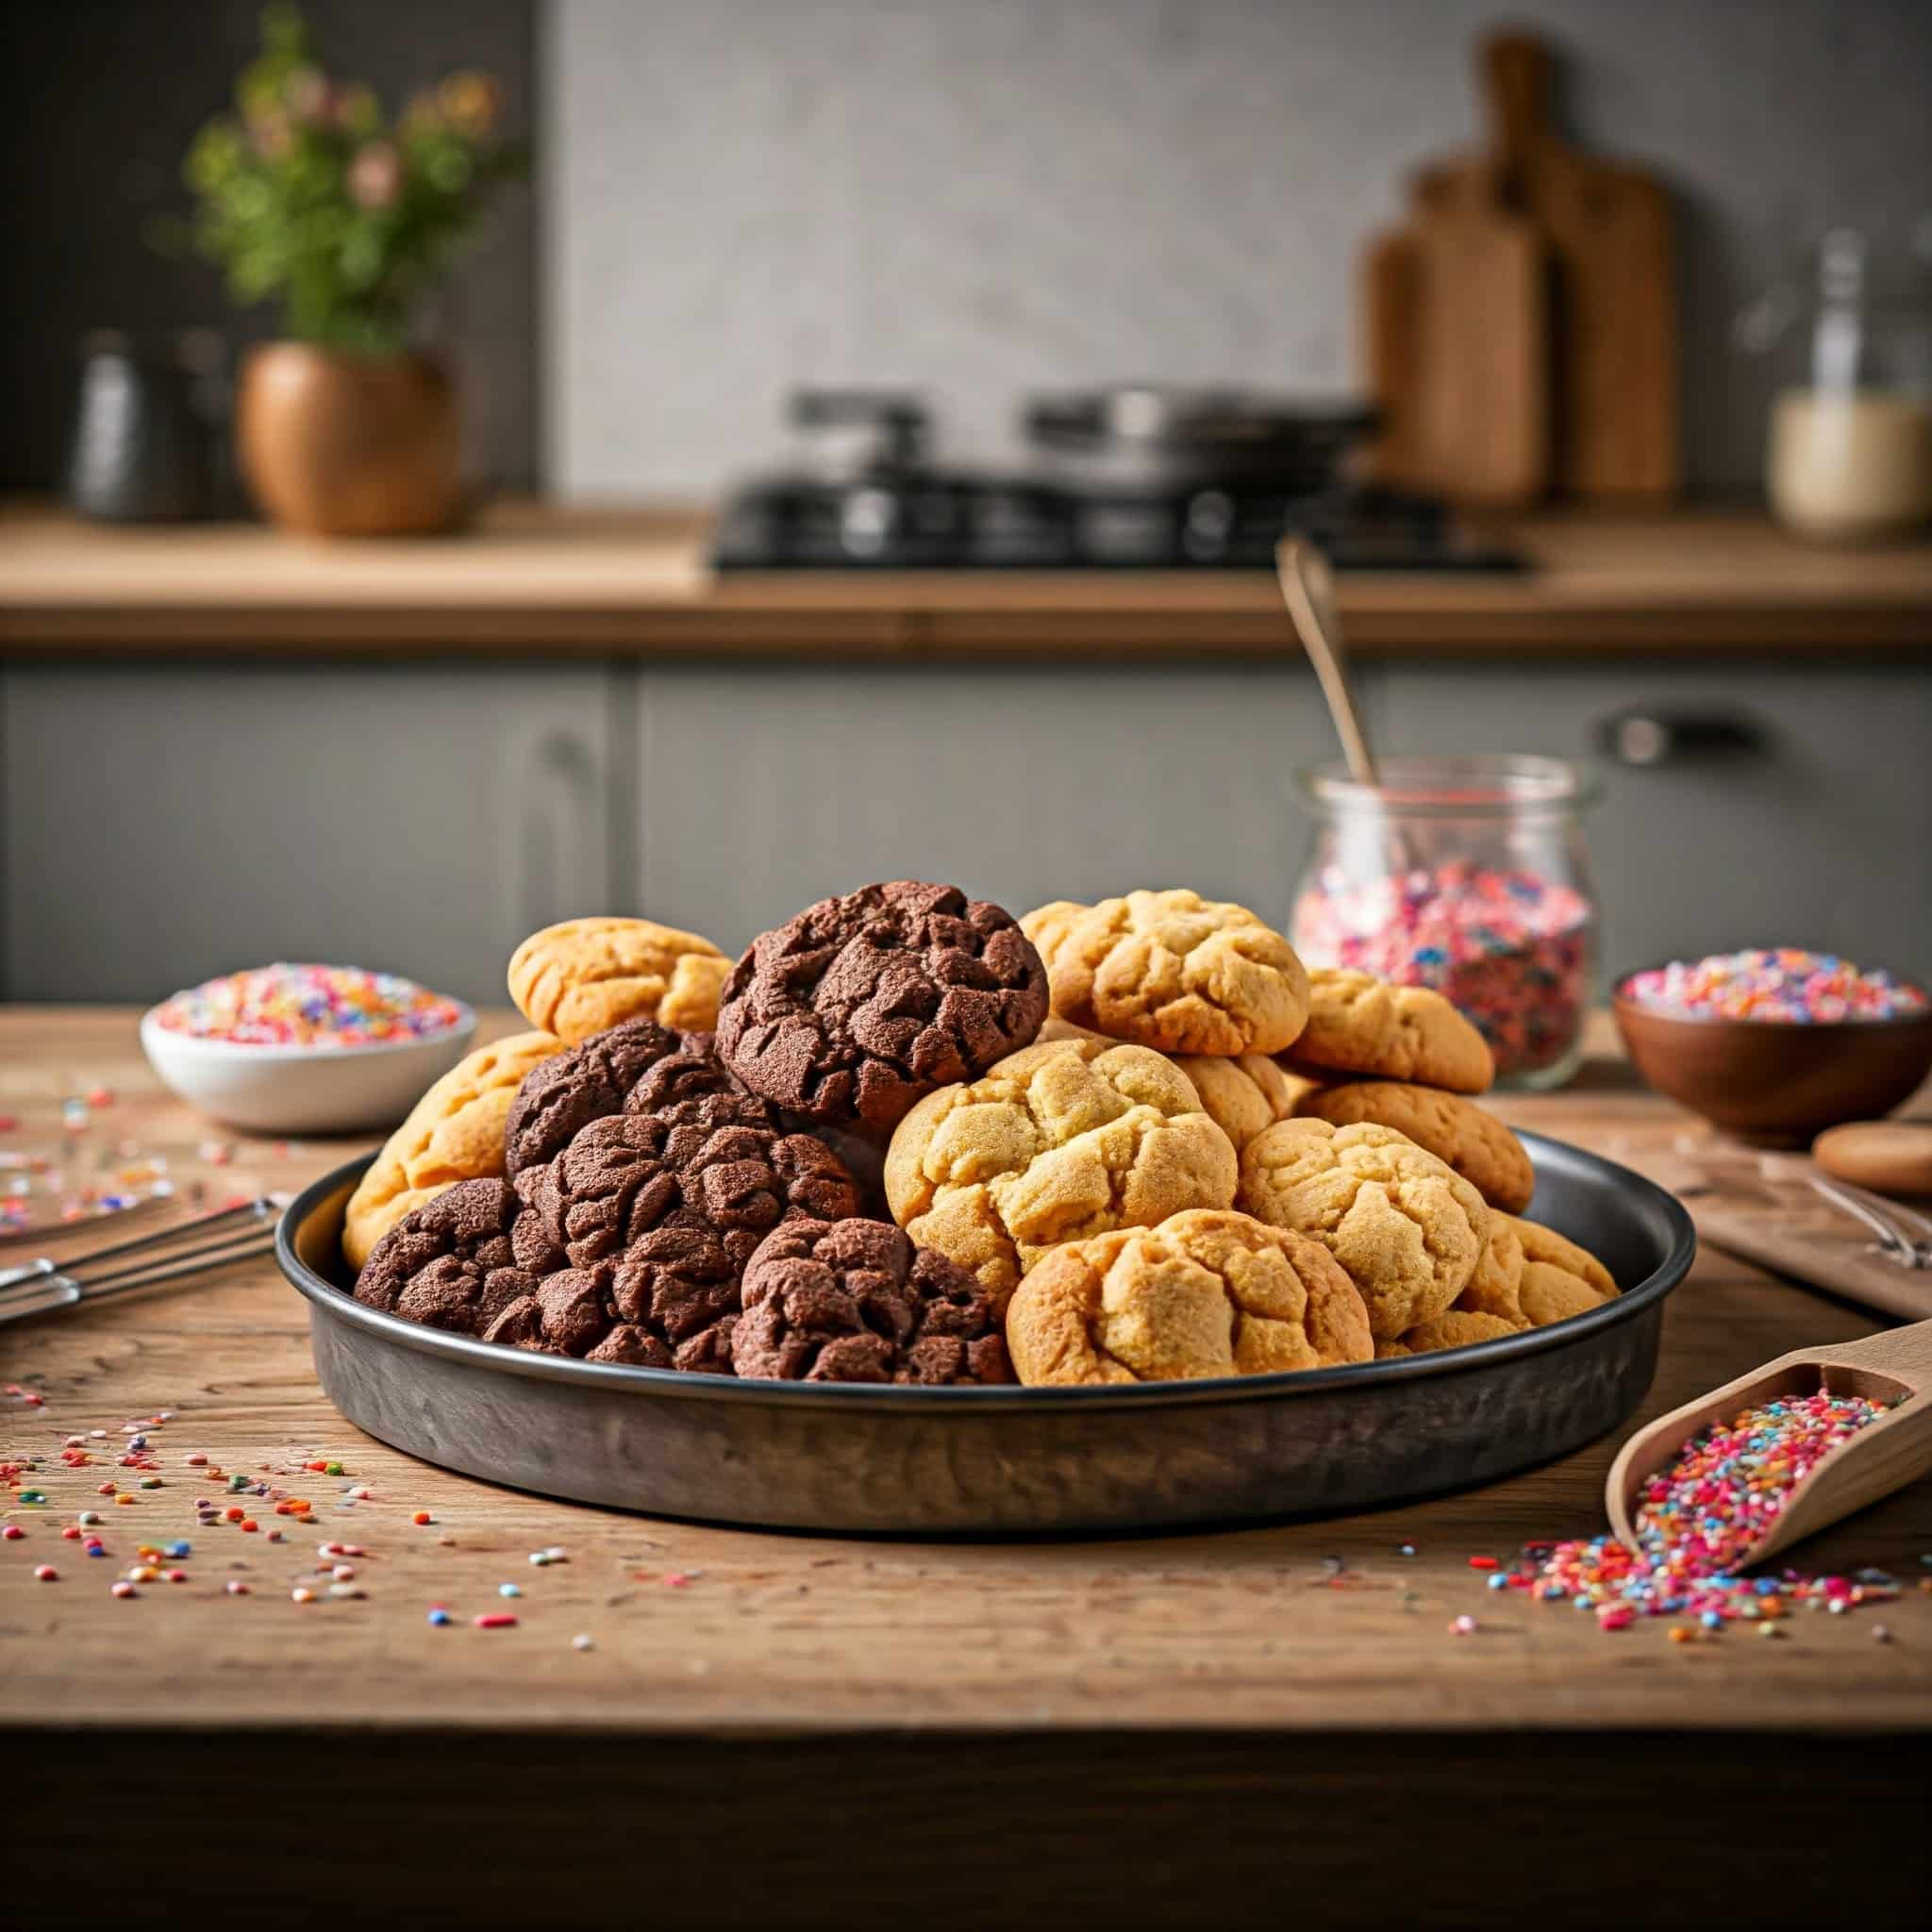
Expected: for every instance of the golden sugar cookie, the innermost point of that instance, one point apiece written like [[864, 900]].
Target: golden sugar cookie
[[1363, 1025], [1206, 1292], [1172, 971], [1406, 1228], [1889, 1156], [454, 1133], [1530, 1276], [1053, 1028], [586, 975], [1241, 1093], [1472, 1140], [1496, 1287], [1056, 1142], [1545, 1245], [1457, 1328], [1559, 1279]]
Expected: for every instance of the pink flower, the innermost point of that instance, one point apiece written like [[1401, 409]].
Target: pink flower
[[375, 175], [306, 93]]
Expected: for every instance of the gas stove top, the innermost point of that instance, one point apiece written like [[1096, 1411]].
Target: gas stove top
[[1128, 479], [937, 522]]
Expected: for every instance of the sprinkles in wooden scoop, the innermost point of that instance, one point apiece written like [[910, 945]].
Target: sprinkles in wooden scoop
[[1697, 1519]]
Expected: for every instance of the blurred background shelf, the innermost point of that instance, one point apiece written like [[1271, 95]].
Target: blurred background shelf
[[212, 735], [533, 577]]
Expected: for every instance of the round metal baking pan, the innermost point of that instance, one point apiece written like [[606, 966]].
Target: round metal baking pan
[[990, 1462]]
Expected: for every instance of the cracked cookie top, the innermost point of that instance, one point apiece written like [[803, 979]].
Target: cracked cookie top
[[1241, 1093], [1496, 1287], [449, 1263], [850, 1012], [857, 1301], [1204, 1294], [1472, 1140], [585, 976], [700, 1166], [1406, 1228], [1361, 1025], [1530, 1276], [1056, 1143], [1455, 1328], [637, 1063], [1172, 971]]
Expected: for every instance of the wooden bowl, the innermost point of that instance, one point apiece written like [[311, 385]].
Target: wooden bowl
[[1774, 1084]]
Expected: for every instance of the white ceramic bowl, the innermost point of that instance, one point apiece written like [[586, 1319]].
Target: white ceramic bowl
[[302, 1089]]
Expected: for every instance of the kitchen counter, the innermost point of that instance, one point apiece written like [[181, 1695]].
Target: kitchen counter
[[532, 578], [1230, 1720]]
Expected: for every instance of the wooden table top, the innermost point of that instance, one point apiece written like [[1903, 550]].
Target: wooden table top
[[544, 578], [721, 1634]]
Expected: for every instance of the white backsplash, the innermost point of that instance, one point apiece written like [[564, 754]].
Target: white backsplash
[[983, 197]]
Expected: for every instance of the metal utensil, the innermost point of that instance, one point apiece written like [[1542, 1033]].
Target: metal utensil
[[1738, 1207], [1308, 587], [1904, 1235], [1886, 1219], [42, 1284]]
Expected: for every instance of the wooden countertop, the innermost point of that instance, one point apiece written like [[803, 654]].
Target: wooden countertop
[[532, 578], [934, 1697]]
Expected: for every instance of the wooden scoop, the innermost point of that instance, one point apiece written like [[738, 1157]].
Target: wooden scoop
[[1883, 1455]]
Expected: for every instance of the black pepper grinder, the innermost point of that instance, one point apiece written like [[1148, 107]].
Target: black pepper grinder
[[144, 447]]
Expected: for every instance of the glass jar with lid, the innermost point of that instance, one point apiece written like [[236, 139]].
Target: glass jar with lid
[[1849, 454], [1469, 875]]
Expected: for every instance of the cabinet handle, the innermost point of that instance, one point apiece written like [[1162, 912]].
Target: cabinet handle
[[1644, 740]]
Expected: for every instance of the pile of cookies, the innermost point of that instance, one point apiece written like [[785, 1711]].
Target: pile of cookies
[[907, 1138]]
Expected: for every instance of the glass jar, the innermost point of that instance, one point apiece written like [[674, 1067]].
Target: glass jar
[[1849, 455], [1467, 874]]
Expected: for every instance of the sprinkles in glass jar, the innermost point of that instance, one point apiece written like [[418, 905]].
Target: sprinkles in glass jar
[[1510, 950], [326, 1007], [1783, 986]]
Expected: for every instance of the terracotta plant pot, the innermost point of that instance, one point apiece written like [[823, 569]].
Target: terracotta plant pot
[[345, 446]]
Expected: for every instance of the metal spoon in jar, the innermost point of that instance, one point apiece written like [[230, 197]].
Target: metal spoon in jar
[[1307, 586]]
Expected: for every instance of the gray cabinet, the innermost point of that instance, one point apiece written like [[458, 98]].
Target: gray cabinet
[[763, 787], [1816, 832], [164, 822]]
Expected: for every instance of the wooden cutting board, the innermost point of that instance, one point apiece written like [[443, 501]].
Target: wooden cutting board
[[1607, 228], [1759, 1207], [1458, 309]]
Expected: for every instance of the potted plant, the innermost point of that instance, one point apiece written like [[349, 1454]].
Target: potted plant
[[306, 194]]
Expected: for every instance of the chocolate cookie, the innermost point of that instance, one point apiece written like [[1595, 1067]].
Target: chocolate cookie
[[637, 1062], [857, 1300], [573, 1312], [663, 1210], [450, 1263], [852, 1011]]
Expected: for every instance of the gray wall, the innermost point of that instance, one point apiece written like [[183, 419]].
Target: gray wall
[[984, 196], [99, 100]]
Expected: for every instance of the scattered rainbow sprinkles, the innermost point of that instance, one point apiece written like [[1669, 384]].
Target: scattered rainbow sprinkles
[[1700, 1516], [1783, 985], [309, 1005]]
